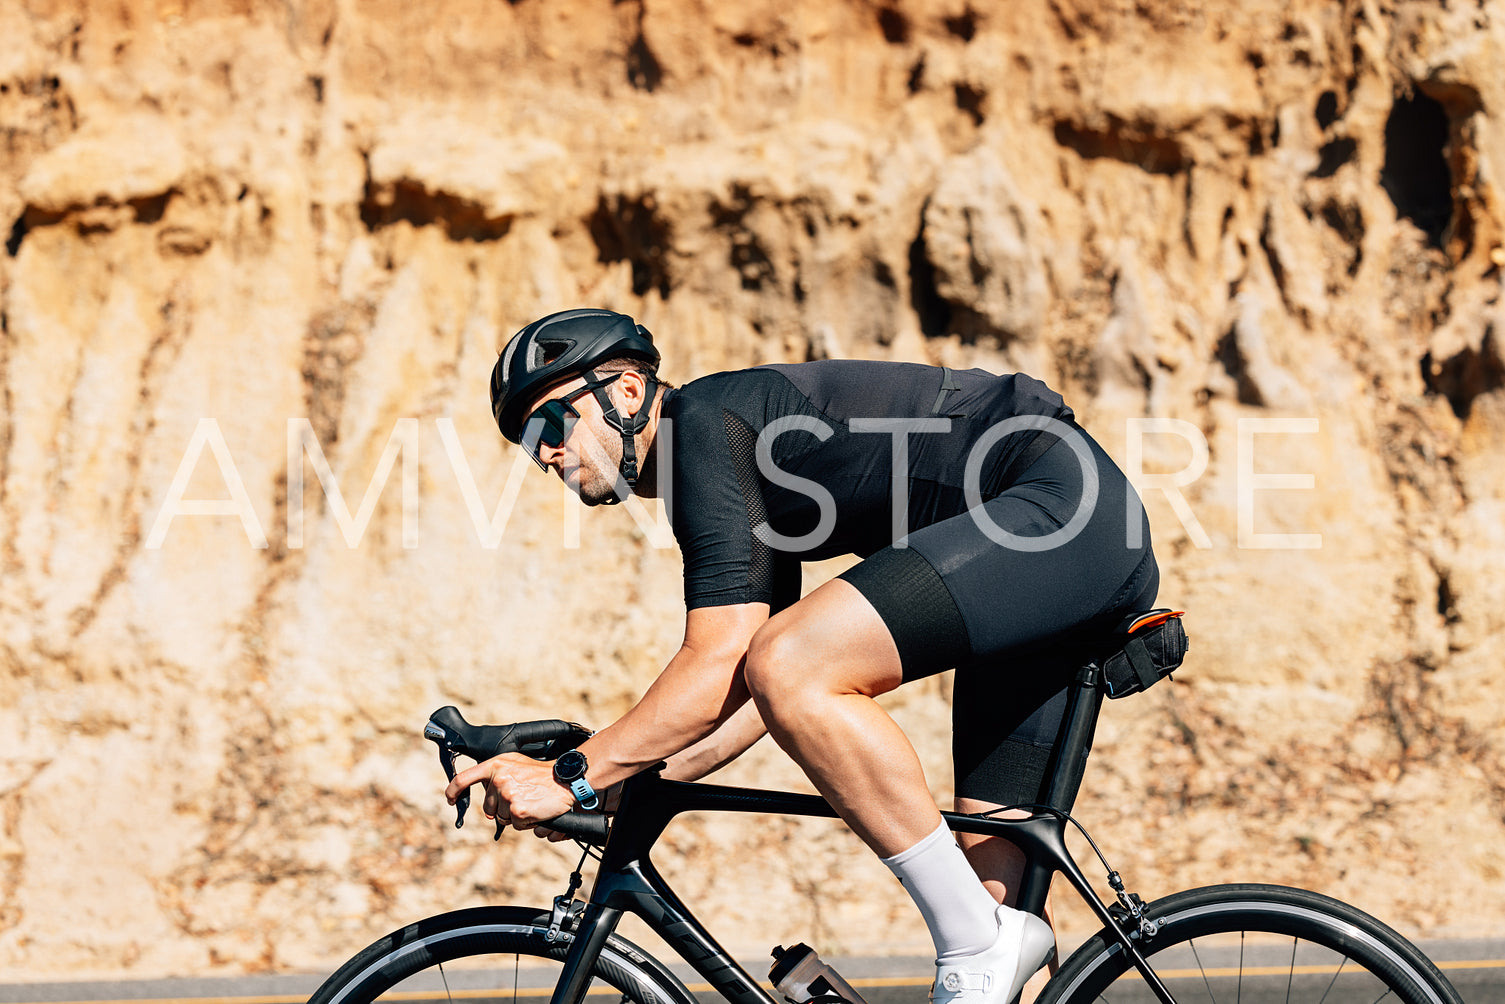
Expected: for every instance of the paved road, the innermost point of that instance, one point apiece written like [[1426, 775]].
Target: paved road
[[1476, 968]]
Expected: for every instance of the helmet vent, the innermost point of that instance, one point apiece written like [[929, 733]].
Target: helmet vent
[[545, 353]]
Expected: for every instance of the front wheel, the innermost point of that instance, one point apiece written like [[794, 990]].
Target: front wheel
[[1255, 942], [489, 953]]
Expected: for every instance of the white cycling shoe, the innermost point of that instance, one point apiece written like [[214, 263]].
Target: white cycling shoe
[[996, 974]]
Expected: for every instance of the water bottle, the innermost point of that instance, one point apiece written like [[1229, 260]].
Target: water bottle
[[800, 975]]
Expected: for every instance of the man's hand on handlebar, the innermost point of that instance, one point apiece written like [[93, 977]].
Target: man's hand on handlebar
[[520, 791], [610, 799]]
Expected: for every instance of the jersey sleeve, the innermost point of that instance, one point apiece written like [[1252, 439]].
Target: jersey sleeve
[[715, 501]]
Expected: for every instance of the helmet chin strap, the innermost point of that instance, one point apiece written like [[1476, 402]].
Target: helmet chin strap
[[629, 427]]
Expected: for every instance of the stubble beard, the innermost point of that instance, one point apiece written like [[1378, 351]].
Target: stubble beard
[[596, 484], [597, 476], [598, 491]]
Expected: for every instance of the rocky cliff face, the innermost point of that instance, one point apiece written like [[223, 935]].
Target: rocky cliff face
[[1273, 230]]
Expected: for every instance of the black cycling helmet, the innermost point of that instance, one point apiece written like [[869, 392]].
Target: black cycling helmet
[[557, 348], [563, 346]]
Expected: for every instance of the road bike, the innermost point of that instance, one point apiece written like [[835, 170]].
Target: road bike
[[1220, 943]]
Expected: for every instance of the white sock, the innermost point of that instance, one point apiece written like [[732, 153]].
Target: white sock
[[960, 913]]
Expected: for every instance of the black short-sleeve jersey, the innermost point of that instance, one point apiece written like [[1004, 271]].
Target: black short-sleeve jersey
[[825, 485]]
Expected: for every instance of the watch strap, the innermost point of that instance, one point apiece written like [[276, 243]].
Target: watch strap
[[584, 794]]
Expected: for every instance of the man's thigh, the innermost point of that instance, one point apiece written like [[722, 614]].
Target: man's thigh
[[833, 638]]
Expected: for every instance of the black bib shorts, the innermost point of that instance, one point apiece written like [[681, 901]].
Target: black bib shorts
[[1012, 621]]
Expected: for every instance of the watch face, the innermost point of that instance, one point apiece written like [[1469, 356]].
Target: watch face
[[570, 766]]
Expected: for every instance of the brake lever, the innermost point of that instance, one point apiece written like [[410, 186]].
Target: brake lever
[[440, 735]]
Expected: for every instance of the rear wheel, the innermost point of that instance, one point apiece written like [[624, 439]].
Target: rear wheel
[[491, 954], [1255, 943]]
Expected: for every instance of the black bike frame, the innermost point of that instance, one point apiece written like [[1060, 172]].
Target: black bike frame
[[627, 881]]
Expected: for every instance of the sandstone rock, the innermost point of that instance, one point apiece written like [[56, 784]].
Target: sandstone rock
[[981, 238], [109, 161]]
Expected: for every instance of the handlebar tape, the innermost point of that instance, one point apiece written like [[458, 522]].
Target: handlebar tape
[[541, 740], [588, 826]]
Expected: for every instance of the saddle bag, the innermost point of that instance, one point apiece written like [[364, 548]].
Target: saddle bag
[[1154, 644]]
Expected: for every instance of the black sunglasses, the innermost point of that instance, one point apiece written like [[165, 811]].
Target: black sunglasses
[[550, 423]]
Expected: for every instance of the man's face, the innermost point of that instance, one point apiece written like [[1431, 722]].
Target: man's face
[[590, 455]]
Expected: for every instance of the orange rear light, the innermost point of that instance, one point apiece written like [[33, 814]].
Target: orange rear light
[[1154, 619]]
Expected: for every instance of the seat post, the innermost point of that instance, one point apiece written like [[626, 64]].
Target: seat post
[[1070, 759], [1068, 764]]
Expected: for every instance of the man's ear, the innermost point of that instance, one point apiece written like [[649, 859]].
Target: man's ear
[[634, 389]]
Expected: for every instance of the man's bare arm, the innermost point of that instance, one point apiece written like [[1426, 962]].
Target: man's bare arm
[[700, 688], [735, 736]]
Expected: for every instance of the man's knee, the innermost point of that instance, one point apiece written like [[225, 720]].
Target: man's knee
[[773, 671]]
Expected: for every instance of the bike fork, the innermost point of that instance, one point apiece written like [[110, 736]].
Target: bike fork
[[596, 925]]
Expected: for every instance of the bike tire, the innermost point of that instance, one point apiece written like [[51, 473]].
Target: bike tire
[[408, 964], [1255, 943]]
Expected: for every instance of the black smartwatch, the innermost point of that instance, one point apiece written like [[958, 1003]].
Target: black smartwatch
[[569, 770]]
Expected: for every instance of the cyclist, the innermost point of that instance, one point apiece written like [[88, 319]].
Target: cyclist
[[990, 527]]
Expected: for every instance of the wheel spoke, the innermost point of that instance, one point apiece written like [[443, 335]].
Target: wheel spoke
[[447, 995], [1205, 981], [1334, 980], [1291, 976], [1238, 996]]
